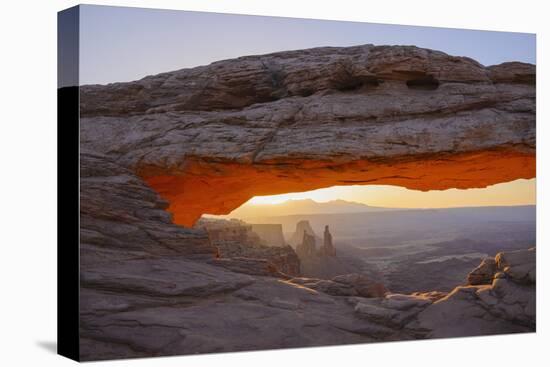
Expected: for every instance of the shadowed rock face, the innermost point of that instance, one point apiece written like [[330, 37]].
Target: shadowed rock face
[[301, 120], [123, 218]]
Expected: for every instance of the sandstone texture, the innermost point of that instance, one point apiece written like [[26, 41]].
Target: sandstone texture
[[505, 305], [122, 218], [283, 259], [484, 273], [240, 248], [271, 234], [345, 285], [298, 234], [158, 153], [308, 248], [397, 115], [327, 249]]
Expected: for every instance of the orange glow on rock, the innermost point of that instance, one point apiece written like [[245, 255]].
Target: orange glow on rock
[[218, 187]]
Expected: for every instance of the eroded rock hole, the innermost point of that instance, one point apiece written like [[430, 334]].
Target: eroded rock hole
[[427, 82], [306, 92], [356, 83]]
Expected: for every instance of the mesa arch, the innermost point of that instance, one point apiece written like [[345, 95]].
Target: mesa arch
[[209, 138]]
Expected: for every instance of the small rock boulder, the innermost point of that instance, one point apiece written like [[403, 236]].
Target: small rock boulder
[[484, 273], [364, 286], [519, 265]]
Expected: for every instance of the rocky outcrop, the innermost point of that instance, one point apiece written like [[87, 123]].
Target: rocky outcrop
[[484, 273], [318, 262], [307, 249], [256, 266], [344, 285], [327, 249], [298, 235], [392, 312], [305, 241], [518, 265], [242, 250], [271, 234], [122, 218], [504, 305], [283, 258], [398, 115], [221, 232]]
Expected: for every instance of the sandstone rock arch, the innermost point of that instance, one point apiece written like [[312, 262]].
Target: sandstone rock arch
[[209, 138]]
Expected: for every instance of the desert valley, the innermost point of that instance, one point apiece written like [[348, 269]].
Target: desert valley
[[407, 250]]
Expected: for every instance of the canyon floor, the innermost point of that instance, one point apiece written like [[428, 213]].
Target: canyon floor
[[416, 249]]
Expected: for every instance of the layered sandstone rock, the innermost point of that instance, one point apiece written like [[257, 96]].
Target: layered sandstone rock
[[242, 250], [121, 217], [484, 273], [318, 261], [518, 265], [327, 249], [257, 266], [160, 152], [301, 120], [504, 305], [344, 285], [282, 258], [307, 249], [271, 234], [298, 234], [221, 232]]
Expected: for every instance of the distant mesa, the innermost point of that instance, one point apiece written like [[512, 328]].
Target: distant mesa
[[307, 248], [236, 230], [305, 206], [302, 227], [251, 249], [271, 234], [327, 249], [226, 231]]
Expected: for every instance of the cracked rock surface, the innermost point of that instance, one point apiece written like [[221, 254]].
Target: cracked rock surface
[[505, 304]]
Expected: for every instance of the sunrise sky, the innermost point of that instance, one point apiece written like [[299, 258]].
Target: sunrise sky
[[518, 192], [123, 44]]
